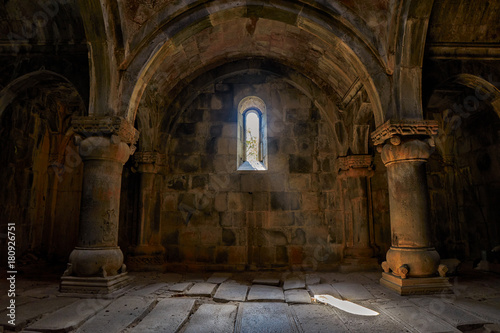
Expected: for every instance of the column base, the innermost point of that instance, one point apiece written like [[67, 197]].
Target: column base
[[416, 286], [92, 286], [151, 263], [349, 265]]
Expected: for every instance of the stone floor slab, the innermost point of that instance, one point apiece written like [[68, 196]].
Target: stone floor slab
[[416, 318], [312, 279], [219, 277], [265, 317], [323, 289], [201, 289], [28, 312], [147, 290], [167, 316], [352, 291], [121, 313], [70, 317], [297, 296], [294, 283], [317, 319], [231, 292], [260, 293], [483, 310], [267, 281], [180, 287], [212, 318]]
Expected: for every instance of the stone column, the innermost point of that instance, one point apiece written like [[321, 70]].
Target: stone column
[[149, 253], [412, 264], [355, 172], [96, 264]]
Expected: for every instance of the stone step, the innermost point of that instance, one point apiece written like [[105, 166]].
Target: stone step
[[167, 316], [323, 289], [265, 317], [201, 289], [212, 318], [70, 317], [120, 314], [231, 292], [261, 293], [317, 319], [297, 296], [31, 311], [352, 291]]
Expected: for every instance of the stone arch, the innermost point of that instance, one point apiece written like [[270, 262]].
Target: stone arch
[[40, 163], [156, 51]]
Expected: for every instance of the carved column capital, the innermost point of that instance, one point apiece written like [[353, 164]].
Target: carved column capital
[[149, 161], [394, 131], [106, 126], [355, 166], [407, 151]]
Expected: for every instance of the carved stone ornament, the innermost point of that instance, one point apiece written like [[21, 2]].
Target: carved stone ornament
[[355, 162], [105, 126], [394, 128], [150, 157]]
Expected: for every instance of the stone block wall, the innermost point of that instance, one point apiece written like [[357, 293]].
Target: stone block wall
[[288, 216]]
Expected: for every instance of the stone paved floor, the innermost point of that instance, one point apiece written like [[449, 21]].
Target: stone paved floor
[[257, 302]]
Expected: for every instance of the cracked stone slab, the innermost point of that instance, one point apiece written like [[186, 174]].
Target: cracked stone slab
[[267, 281], [265, 293], [323, 289], [317, 319], [212, 318], [219, 277], [294, 283], [201, 289], [167, 316], [70, 317], [297, 296], [180, 287], [120, 314], [265, 317], [31, 311], [352, 291], [147, 290], [231, 292]]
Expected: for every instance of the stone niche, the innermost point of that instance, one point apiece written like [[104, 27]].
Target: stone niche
[[215, 217]]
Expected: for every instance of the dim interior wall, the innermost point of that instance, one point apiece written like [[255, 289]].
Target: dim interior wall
[[41, 174], [288, 216]]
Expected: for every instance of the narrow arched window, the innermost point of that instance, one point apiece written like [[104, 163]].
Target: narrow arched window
[[252, 134]]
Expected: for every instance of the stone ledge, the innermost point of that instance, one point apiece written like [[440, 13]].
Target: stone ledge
[[416, 286]]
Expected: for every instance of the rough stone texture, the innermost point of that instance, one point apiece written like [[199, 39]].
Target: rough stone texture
[[167, 316], [180, 287], [264, 317], [293, 284], [265, 293], [317, 318], [148, 289], [212, 318], [121, 313], [201, 289], [297, 296], [218, 277], [231, 292], [323, 289], [352, 291]]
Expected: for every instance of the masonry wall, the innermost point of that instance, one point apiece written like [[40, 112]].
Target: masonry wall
[[287, 216]]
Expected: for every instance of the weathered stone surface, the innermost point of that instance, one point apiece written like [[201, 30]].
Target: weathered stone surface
[[294, 283], [312, 279], [33, 310], [123, 312], [266, 281], [318, 319], [486, 311], [323, 289], [167, 316], [352, 291], [297, 296], [70, 317], [265, 293], [219, 277], [147, 290], [264, 317], [212, 318], [201, 289], [231, 292], [180, 287]]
